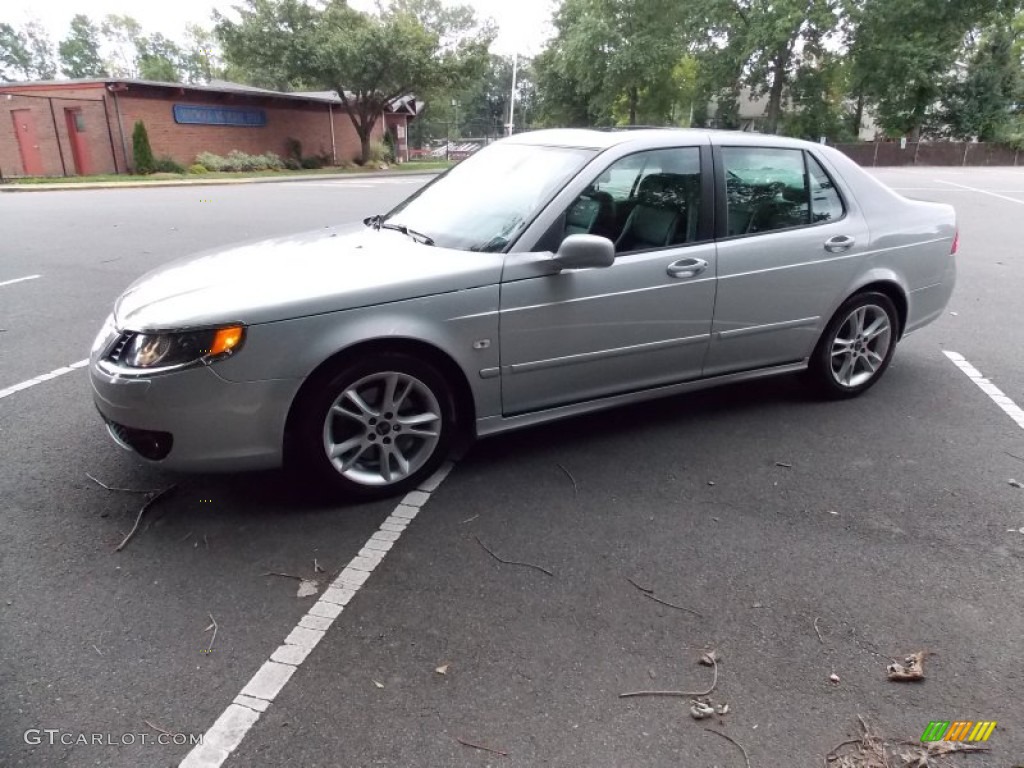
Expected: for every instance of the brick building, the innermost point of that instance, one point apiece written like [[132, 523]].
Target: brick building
[[82, 127]]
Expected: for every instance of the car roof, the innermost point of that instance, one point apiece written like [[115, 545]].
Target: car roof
[[640, 138]]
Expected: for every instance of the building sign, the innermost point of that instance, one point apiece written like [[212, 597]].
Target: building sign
[[194, 115]]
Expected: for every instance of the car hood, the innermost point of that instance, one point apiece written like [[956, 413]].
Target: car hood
[[296, 276]]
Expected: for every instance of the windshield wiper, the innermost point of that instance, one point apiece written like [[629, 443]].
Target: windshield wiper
[[419, 237]]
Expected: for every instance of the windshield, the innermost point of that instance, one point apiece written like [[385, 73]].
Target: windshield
[[485, 201]]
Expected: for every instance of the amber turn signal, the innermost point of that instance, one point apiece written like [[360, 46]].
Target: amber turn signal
[[226, 339]]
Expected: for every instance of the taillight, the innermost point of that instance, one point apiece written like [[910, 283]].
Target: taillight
[[956, 243]]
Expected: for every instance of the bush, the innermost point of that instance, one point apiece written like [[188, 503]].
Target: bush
[[313, 161], [197, 168], [389, 146], [238, 161], [168, 165], [379, 152], [292, 164], [211, 161], [293, 149], [141, 151]]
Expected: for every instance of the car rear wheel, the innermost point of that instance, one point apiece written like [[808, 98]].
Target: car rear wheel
[[377, 427], [856, 347]]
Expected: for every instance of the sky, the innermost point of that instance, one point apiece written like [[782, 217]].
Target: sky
[[522, 24]]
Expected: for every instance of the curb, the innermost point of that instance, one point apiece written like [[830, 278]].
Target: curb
[[59, 187]]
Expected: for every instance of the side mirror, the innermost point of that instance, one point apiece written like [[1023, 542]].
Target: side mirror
[[583, 251]]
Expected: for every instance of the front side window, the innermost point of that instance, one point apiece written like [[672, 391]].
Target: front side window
[[642, 201], [485, 202], [766, 189]]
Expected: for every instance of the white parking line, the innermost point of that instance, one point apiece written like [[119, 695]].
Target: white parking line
[[224, 736], [981, 191], [40, 379], [995, 394], [19, 280]]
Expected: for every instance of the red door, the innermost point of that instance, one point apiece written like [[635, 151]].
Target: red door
[[28, 141], [79, 149]]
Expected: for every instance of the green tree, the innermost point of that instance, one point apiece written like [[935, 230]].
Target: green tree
[[14, 54], [981, 105], [903, 52], [369, 60], [80, 50], [141, 151], [200, 58], [122, 35], [158, 58], [607, 51]]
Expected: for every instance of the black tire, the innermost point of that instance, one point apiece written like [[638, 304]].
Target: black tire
[[308, 452], [825, 360]]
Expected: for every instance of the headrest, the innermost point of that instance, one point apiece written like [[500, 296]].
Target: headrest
[[663, 190]]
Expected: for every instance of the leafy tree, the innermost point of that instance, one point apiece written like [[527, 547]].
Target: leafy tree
[[158, 58], [200, 58], [903, 52], [80, 50], [611, 50], [14, 54], [370, 60], [981, 105], [42, 64], [122, 34], [141, 150]]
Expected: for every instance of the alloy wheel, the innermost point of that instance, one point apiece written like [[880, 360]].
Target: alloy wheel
[[382, 428], [860, 346]]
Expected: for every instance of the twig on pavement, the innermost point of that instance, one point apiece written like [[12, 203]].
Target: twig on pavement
[[645, 590], [512, 562], [101, 484], [714, 682], [149, 502], [97, 650], [672, 605], [164, 731], [213, 626], [730, 738], [283, 575], [1013, 455], [465, 743], [575, 488], [816, 620]]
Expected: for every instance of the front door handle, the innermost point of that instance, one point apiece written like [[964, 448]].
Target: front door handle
[[685, 268], [839, 243]]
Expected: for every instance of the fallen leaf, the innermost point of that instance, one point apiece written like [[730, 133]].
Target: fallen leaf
[[307, 587], [710, 658], [379, 685], [834, 677], [722, 709], [700, 709], [443, 669], [912, 668], [1016, 483]]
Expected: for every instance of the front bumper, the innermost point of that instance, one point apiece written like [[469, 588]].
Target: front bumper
[[194, 420]]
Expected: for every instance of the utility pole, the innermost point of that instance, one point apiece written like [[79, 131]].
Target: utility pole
[[512, 95]]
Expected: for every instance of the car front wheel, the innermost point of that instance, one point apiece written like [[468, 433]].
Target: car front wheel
[[856, 347], [377, 427]]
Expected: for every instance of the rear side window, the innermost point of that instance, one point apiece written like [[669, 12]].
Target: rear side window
[[826, 205], [766, 189]]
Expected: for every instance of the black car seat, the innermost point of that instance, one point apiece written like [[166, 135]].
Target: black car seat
[[592, 213], [659, 215]]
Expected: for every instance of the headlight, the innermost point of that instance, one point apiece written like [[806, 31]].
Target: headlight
[[167, 351]]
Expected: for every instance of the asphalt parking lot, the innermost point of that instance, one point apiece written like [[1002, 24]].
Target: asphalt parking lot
[[806, 540]]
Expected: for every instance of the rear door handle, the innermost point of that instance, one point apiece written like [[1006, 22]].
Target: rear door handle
[[839, 243], [685, 268]]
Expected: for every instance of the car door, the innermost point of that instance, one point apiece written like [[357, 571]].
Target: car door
[[644, 321], [786, 238]]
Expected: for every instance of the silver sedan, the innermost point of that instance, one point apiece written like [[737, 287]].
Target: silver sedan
[[551, 274]]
